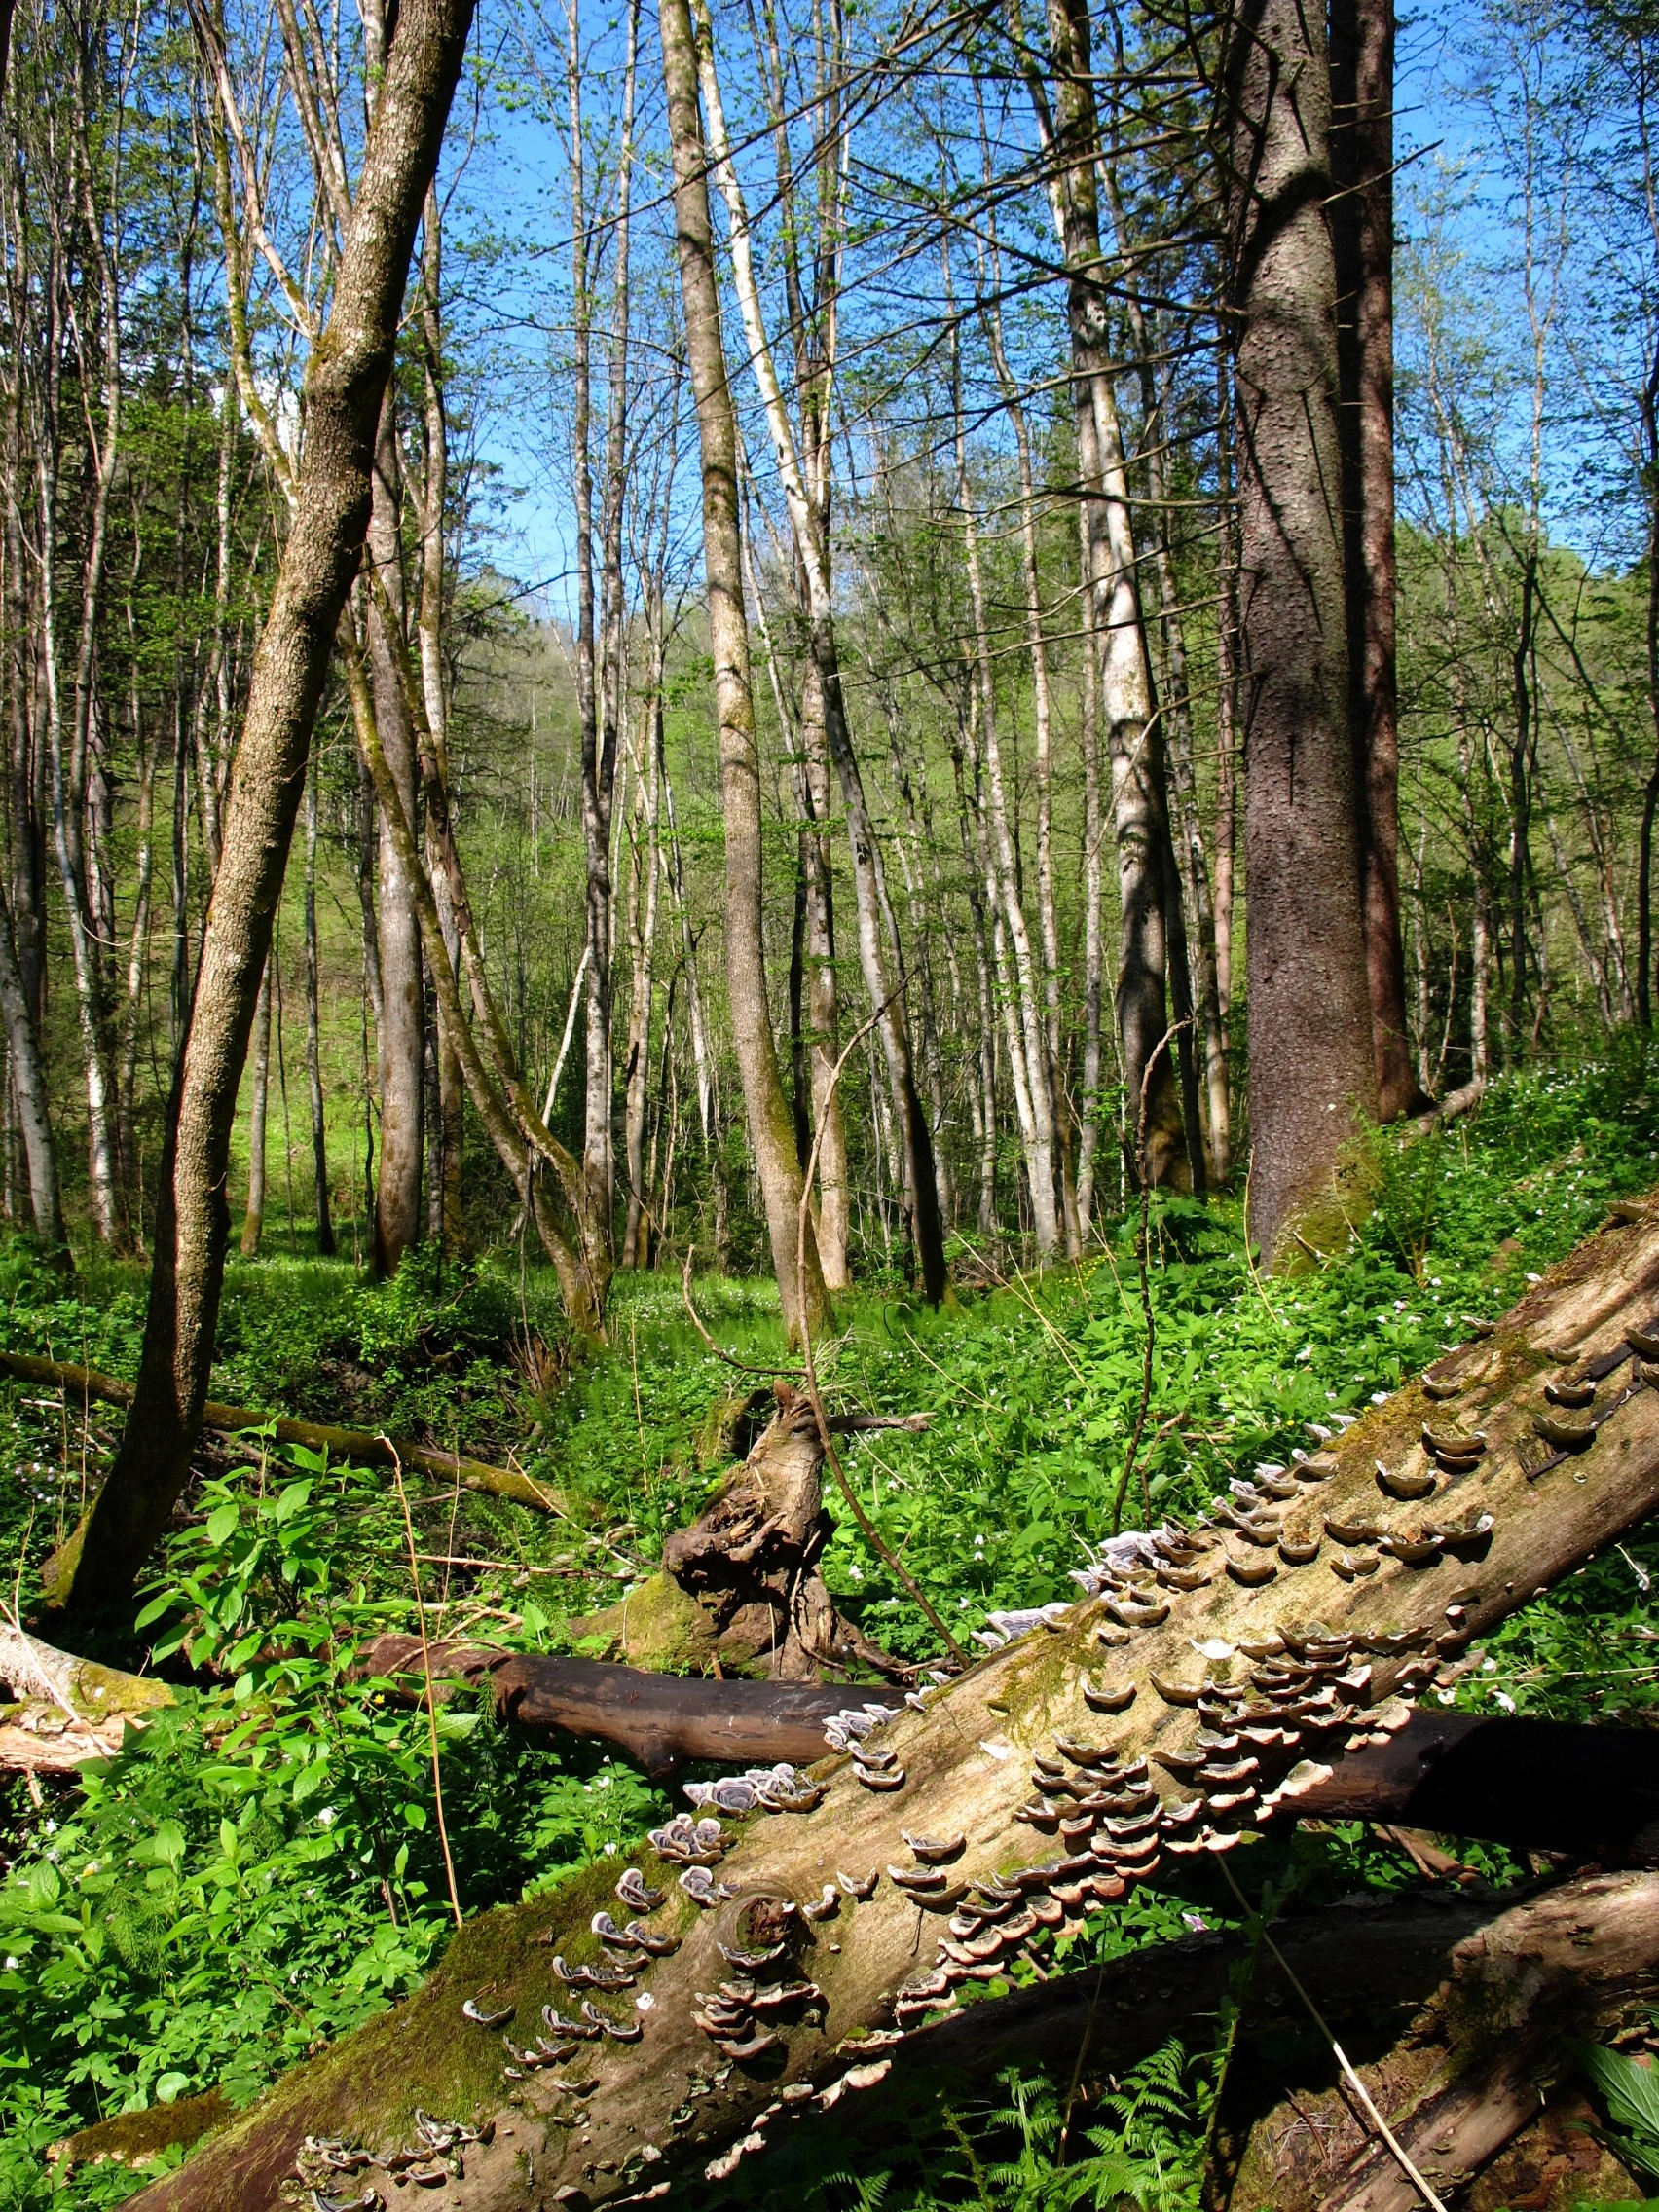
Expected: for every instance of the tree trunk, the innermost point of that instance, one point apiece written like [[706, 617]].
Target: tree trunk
[[254, 1221], [1135, 745], [823, 992], [808, 503], [960, 1773], [29, 1086], [1362, 239], [345, 383], [325, 1243], [401, 1030], [771, 1132], [1312, 1073]]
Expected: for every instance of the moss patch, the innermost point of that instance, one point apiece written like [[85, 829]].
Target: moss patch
[[132, 2137]]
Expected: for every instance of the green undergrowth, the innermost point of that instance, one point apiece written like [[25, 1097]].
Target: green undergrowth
[[263, 1869]]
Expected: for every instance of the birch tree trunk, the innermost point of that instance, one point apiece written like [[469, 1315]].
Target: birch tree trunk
[[345, 383], [808, 501], [771, 1132], [325, 1243], [698, 2081], [1308, 998], [1134, 743]]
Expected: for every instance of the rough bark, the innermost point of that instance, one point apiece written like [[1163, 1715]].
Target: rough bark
[[1465, 2080], [1362, 231], [771, 1131], [965, 1763], [345, 380], [1313, 1075]]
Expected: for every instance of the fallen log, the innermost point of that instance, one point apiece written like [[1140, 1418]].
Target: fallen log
[[65, 1711], [661, 1720], [1536, 1785], [1465, 2078], [1193, 1698], [1403, 1978], [357, 1445]]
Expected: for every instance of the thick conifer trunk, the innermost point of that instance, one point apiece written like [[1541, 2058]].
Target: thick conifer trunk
[[1312, 1077], [345, 381]]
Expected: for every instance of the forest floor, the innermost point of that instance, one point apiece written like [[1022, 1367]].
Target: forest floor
[[262, 1868]]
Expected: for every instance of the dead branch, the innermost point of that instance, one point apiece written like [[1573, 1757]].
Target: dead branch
[[357, 1445], [662, 1721]]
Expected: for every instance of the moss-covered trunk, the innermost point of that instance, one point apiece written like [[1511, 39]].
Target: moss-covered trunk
[[1352, 1592]]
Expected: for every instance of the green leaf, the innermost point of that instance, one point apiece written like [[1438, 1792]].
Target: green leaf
[[230, 1841], [154, 1611], [223, 1522], [290, 1498], [310, 1780], [169, 1844], [169, 2086], [414, 1815]]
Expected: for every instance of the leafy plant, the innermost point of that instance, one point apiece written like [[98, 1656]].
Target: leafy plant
[[1630, 2092]]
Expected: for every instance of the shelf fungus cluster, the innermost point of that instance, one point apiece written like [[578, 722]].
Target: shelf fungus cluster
[[326, 2163], [764, 1788], [1299, 1691], [763, 1991]]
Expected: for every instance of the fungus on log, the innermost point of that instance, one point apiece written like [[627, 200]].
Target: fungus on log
[[1538, 1785], [1175, 1708]]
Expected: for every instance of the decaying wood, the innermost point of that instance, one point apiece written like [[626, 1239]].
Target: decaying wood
[[1579, 1960], [1536, 1785], [1314, 1656], [750, 1567], [65, 1711], [357, 1445]]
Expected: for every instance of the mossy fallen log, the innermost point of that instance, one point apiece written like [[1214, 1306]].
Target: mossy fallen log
[[65, 1711], [1209, 1682], [357, 1445]]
